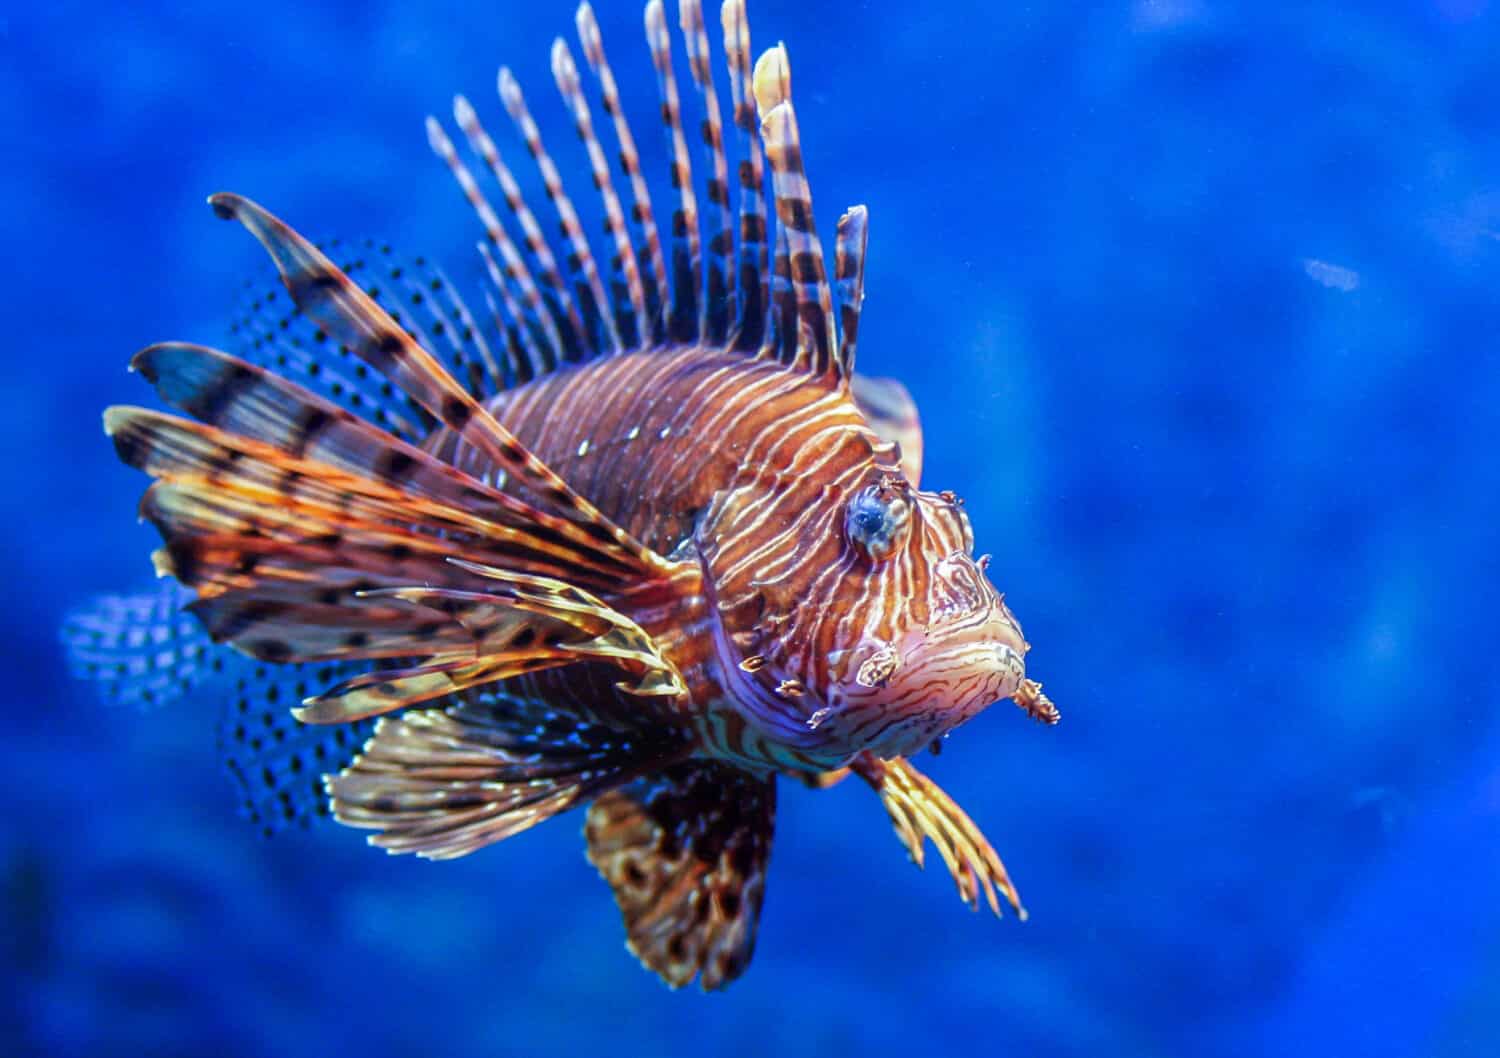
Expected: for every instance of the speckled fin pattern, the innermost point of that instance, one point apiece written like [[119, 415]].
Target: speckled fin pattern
[[685, 853]]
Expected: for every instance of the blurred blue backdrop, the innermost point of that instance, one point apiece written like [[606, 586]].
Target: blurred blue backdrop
[[1198, 302]]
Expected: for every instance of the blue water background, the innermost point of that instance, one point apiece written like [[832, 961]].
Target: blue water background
[[1199, 303]]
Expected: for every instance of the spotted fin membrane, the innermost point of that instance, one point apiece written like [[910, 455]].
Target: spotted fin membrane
[[145, 651]]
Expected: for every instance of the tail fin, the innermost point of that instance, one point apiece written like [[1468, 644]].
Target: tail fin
[[144, 650], [140, 650]]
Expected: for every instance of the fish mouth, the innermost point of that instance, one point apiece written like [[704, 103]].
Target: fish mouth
[[933, 679], [966, 663]]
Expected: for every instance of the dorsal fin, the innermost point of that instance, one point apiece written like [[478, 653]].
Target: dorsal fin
[[753, 265], [718, 289], [554, 290], [652, 267], [543, 313], [724, 282], [684, 322], [587, 287], [526, 350], [849, 273], [809, 280], [628, 297]]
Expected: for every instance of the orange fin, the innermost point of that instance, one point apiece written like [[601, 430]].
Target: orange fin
[[251, 403], [920, 810], [201, 461], [520, 624], [685, 852], [328, 296]]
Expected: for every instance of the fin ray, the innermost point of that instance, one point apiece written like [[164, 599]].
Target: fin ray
[[441, 783], [328, 296]]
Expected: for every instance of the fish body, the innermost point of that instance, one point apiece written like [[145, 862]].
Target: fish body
[[644, 542]]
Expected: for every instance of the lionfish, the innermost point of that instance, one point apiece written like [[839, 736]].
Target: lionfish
[[641, 542]]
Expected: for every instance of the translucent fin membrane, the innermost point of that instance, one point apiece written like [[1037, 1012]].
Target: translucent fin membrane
[[628, 299], [684, 323], [587, 287], [754, 268], [718, 293], [648, 256], [139, 650]]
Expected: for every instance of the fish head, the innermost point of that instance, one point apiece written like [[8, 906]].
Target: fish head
[[856, 617]]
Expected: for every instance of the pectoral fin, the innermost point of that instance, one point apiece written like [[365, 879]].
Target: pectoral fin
[[521, 624], [444, 782]]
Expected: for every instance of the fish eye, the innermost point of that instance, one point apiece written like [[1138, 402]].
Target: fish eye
[[876, 520]]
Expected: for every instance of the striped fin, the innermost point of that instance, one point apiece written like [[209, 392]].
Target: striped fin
[[849, 274], [442, 783], [651, 266], [249, 404], [718, 292], [329, 297], [527, 351], [815, 329], [518, 624], [628, 298], [919, 811], [236, 516], [325, 624], [599, 328], [753, 265], [685, 852], [546, 307], [743, 290], [272, 333], [554, 290], [684, 322]]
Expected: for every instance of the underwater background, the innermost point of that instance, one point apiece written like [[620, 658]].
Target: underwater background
[[1199, 303]]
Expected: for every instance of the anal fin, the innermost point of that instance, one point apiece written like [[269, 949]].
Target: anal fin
[[686, 852]]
